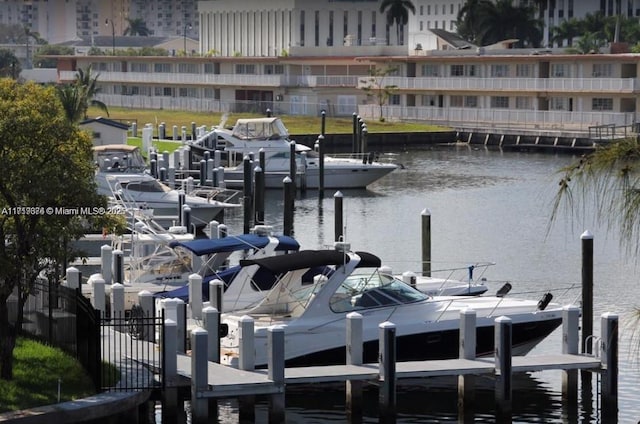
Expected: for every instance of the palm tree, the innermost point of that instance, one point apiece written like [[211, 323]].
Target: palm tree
[[397, 12], [469, 19], [77, 97], [567, 30], [88, 86], [502, 20], [9, 64], [137, 27]]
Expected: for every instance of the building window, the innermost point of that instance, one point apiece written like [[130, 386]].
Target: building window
[[523, 70], [499, 71], [602, 70], [345, 24], [347, 104], [187, 92], [394, 99], [558, 103], [429, 100], [212, 68], [470, 101], [139, 67], [187, 68], [455, 101], [523, 103], [162, 67], [316, 28], [245, 68], [274, 69], [499, 102], [429, 70], [559, 70], [600, 103], [463, 70], [330, 37], [212, 93]]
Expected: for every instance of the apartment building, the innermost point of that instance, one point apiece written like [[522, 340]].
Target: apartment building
[[501, 87]]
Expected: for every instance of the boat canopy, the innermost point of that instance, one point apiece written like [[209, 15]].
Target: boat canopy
[[310, 259], [260, 129], [235, 243]]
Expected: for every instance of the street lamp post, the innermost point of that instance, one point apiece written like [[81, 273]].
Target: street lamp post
[[113, 35], [184, 34]]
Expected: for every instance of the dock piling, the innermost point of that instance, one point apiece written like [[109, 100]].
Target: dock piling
[[338, 215], [275, 363], [466, 383], [609, 356], [195, 295], [99, 300], [354, 357], [211, 322], [106, 262], [199, 374], [426, 243], [246, 349], [570, 345], [502, 343], [170, 364], [387, 365]]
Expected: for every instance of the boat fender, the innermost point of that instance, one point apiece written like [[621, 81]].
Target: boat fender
[[502, 292], [542, 304]]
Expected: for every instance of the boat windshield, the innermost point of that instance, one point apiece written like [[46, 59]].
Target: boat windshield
[[147, 186], [260, 129], [361, 291]]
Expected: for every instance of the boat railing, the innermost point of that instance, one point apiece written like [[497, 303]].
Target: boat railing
[[366, 157]]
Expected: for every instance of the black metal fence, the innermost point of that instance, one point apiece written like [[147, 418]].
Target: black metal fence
[[118, 352]]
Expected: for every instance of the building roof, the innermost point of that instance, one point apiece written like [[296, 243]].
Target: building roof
[[454, 40], [105, 121], [121, 41]]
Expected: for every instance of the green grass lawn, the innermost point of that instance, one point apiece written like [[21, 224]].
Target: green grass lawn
[[37, 371], [295, 124]]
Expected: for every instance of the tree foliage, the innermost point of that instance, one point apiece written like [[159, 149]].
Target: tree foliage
[[484, 22], [9, 64], [50, 50], [375, 87], [78, 96], [47, 164], [137, 26], [397, 12]]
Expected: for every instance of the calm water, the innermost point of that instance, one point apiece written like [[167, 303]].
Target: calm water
[[485, 206]]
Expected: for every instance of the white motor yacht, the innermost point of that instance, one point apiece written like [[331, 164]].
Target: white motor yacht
[[314, 314]]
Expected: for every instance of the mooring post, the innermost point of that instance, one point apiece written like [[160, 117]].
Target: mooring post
[[338, 215], [170, 372], [99, 301], [387, 369], [321, 153], [587, 290], [275, 363], [354, 357], [289, 196], [354, 138], [118, 266], [211, 322], [210, 173], [467, 350], [609, 358], [503, 331], [146, 301], [426, 243], [259, 196], [247, 192], [246, 362], [73, 277], [117, 304], [216, 294], [106, 262], [181, 314], [213, 229], [199, 376], [181, 203], [570, 346], [195, 295]]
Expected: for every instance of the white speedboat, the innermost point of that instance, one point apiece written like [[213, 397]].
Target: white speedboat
[[313, 315], [121, 175], [271, 136]]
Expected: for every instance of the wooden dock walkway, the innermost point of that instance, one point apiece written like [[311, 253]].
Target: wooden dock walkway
[[225, 381]]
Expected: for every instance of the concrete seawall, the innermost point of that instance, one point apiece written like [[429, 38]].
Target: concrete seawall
[[512, 140]]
